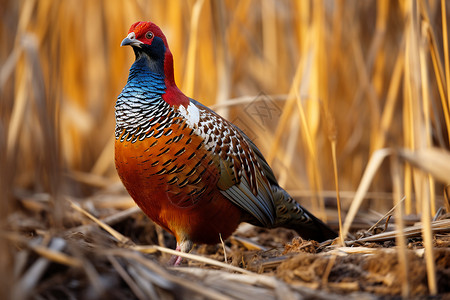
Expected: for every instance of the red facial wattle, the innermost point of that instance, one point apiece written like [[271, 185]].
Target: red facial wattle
[[146, 32]]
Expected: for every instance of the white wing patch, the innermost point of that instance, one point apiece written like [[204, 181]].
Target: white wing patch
[[219, 137], [191, 114], [251, 192], [203, 128]]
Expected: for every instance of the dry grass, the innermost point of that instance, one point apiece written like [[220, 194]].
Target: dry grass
[[360, 99]]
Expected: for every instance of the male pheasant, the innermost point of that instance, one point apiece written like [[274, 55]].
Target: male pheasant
[[191, 171]]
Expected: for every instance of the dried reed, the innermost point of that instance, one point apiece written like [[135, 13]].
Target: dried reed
[[379, 69]]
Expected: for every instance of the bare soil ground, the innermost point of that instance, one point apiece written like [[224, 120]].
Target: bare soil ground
[[79, 260]]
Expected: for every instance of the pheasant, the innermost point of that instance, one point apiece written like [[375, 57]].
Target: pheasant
[[191, 171]]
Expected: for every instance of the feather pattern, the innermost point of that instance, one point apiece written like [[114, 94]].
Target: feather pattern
[[139, 105], [242, 180], [190, 170]]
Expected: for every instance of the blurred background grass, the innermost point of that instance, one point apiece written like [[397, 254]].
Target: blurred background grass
[[367, 74]]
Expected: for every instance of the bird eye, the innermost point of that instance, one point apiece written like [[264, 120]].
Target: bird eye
[[149, 35]]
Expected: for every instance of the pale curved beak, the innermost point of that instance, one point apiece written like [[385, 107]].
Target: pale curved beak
[[131, 40]]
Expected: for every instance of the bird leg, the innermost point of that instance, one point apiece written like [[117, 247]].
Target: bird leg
[[175, 260], [184, 246]]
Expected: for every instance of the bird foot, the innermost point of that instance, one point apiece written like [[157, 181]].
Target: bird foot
[[175, 260]]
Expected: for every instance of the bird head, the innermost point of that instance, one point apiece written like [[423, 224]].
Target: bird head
[[149, 42], [146, 37]]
